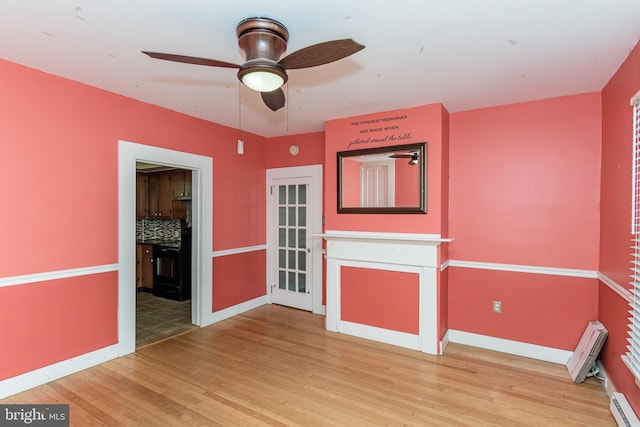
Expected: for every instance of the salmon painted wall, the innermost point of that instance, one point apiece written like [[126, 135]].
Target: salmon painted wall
[[524, 190], [311, 150], [368, 299], [241, 271], [615, 213], [524, 183], [60, 166], [43, 323], [546, 310], [443, 252], [407, 126]]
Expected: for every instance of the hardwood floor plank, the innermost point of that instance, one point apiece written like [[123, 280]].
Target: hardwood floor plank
[[275, 366]]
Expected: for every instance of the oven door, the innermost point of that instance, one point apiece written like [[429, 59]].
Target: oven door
[[166, 265]]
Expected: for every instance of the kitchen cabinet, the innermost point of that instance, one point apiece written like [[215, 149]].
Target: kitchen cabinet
[[160, 196], [181, 184], [144, 266], [142, 196]]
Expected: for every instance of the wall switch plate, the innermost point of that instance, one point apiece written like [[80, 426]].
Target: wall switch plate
[[497, 306]]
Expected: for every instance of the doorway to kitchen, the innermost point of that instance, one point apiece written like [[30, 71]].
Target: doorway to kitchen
[[200, 233], [163, 252]]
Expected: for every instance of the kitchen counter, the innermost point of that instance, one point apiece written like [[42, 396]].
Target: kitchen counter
[[170, 243]]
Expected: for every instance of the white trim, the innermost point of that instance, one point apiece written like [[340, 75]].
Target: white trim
[[517, 348], [59, 274], [315, 172], [607, 383], [445, 265], [387, 336], [375, 235], [635, 99], [553, 271], [234, 310], [57, 370], [236, 251], [617, 288], [202, 224], [444, 342]]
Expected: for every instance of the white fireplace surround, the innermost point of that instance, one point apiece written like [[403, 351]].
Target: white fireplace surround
[[403, 252]]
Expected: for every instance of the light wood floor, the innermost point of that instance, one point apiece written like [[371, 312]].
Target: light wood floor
[[279, 366]]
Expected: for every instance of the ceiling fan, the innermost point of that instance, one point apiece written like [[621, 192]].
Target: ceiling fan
[[263, 41], [413, 156]]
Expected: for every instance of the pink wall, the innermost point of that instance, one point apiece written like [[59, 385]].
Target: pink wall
[[615, 212], [412, 125], [43, 323], [351, 173], [407, 178], [550, 311], [381, 298], [246, 273], [524, 190], [524, 183], [311, 152], [59, 167]]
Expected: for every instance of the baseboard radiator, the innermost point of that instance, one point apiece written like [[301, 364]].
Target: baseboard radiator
[[622, 411]]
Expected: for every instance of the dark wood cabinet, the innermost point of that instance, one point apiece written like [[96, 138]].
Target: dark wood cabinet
[[163, 195], [142, 196], [181, 184], [144, 266], [160, 196]]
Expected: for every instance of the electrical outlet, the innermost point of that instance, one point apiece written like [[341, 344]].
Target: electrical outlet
[[497, 306]]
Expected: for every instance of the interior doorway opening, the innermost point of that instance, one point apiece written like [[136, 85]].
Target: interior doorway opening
[[201, 168], [163, 252]]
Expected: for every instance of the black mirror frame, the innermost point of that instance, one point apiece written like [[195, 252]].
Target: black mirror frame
[[422, 209]]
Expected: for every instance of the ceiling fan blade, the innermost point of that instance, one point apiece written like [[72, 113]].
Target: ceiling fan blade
[[319, 54], [190, 59], [401, 156], [274, 100]]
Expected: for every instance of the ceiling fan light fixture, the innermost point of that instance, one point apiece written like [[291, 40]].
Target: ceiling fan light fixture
[[262, 76]]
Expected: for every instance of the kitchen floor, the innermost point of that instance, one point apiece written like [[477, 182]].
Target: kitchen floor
[[158, 318]]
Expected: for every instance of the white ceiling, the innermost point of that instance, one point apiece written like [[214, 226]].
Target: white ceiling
[[464, 53]]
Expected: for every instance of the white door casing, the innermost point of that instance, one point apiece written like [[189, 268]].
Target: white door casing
[[202, 225], [294, 265]]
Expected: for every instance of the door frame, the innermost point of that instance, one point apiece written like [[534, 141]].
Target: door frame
[[315, 173], [202, 226]]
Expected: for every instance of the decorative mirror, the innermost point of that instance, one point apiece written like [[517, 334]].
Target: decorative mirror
[[383, 180]]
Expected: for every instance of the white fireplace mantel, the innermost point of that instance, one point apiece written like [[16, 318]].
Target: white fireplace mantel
[[407, 252]]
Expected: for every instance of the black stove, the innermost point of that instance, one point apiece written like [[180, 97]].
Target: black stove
[[172, 268]]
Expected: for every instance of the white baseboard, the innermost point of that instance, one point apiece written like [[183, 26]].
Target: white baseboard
[[444, 342], [387, 336], [237, 309], [58, 370], [607, 384], [517, 348]]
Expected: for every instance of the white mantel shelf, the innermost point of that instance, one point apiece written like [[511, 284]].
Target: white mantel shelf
[[427, 239]]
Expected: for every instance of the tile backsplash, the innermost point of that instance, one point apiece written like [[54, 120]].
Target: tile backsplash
[[158, 229]]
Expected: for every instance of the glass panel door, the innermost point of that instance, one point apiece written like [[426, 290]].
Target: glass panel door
[[293, 287]]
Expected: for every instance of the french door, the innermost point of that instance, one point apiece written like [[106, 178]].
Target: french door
[[294, 256], [292, 283]]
